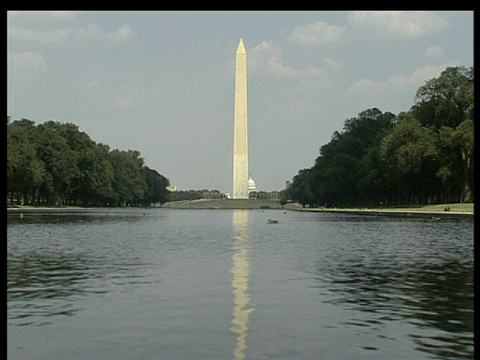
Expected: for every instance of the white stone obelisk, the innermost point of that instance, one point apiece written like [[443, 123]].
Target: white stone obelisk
[[240, 136]]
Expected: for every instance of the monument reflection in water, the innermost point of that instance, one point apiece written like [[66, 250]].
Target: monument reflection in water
[[240, 275]]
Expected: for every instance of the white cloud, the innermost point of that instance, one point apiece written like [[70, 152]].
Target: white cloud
[[367, 85], [266, 58], [48, 36], [412, 80], [317, 33], [96, 32], [122, 33], [409, 23], [94, 84], [124, 100], [56, 26], [127, 96], [29, 63], [332, 63], [91, 30], [434, 51]]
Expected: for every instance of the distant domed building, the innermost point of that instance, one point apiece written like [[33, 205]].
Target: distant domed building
[[251, 185]]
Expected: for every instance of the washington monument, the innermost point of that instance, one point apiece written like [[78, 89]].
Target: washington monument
[[240, 132]]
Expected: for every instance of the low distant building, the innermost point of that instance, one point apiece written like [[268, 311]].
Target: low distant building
[[171, 188]]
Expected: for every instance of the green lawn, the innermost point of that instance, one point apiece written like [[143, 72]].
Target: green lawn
[[456, 207], [224, 204], [465, 207]]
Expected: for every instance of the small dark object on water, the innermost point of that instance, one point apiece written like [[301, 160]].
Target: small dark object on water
[[272, 221]]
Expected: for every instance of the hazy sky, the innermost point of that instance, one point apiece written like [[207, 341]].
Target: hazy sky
[[162, 82]]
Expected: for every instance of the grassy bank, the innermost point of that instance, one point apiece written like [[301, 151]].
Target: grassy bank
[[31, 207], [465, 207], [436, 211], [225, 204]]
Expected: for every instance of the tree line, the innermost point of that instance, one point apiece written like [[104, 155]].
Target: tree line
[[424, 155], [188, 195], [55, 163]]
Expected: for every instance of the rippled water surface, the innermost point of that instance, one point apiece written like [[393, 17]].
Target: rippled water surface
[[225, 284]]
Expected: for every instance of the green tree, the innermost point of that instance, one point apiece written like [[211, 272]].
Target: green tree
[[346, 172], [446, 100], [93, 186], [56, 164], [81, 188], [413, 154], [156, 191], [463, 140], [423, 155], [59, 158], [300, 190], [129, 184], [102, 175], [446, 103], [371, 185], [24, 169]]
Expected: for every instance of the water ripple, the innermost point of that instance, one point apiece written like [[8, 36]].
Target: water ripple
[[322, 286], [420, 286]]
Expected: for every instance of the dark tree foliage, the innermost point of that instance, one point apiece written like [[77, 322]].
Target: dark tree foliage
[[425, 155], [55, 163], [446, 100], [187, 195], [156, 186]]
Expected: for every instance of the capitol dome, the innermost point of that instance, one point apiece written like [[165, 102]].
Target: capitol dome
[[251, 185]]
